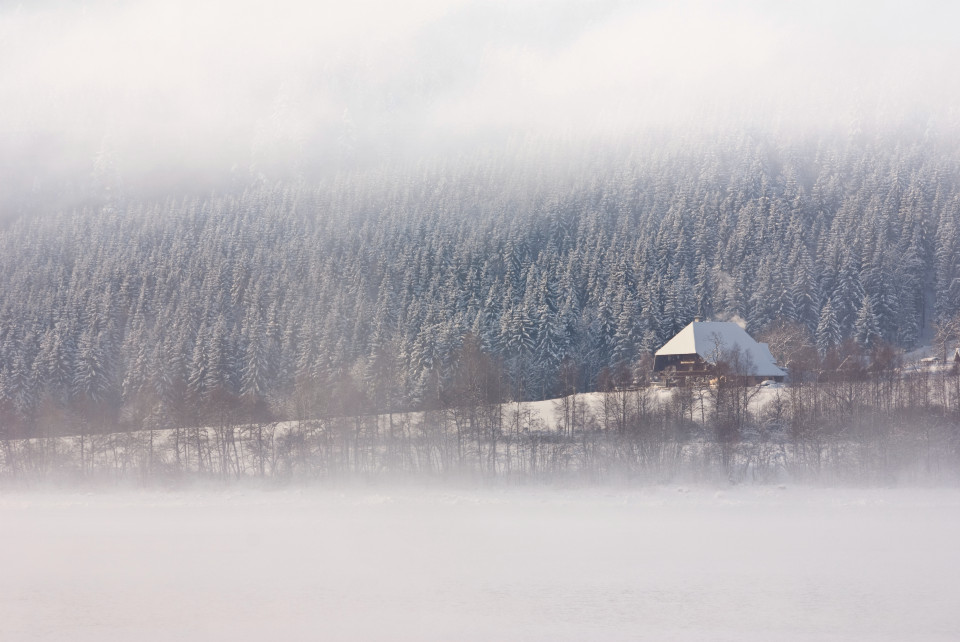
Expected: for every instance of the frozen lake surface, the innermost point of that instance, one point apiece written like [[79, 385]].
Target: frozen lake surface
[[659, 564]]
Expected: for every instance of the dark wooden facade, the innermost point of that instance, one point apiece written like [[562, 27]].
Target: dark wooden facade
[[676, 369], [680, 369]]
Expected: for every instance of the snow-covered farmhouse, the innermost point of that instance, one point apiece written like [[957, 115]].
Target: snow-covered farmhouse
[[696, 351]]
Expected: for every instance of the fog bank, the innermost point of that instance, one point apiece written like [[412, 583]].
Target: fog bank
[[166, 96], [663, 563]]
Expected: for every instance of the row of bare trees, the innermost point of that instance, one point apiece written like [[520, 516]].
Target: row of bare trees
[[868, 418]]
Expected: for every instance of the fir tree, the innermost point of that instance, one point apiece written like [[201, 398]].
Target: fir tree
[[828, 329]]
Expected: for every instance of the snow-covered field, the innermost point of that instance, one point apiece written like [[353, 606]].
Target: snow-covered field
[[502, 564]]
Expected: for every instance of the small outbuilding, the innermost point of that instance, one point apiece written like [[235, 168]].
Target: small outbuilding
[[696, 351], [930, 362]]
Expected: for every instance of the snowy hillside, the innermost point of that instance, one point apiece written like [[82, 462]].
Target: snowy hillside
[[394, 290], [815, 432]]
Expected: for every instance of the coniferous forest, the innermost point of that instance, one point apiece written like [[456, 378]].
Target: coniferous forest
[[502, 279]]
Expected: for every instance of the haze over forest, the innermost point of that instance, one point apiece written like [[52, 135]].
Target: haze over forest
[[185, 96], [232, 212]]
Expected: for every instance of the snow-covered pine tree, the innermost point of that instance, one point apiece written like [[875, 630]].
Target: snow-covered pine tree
[[867, 327], [828, 329]]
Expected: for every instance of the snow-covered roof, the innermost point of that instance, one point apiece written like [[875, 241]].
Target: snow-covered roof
[[711, 339]]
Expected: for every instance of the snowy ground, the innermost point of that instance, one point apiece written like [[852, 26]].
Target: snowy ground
[[659, 564]]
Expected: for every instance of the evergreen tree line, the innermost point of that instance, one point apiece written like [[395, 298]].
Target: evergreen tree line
[[261, 300]]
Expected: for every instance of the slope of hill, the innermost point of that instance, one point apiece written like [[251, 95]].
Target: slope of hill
[[387, 290]]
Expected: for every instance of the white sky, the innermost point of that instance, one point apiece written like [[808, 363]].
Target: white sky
[[219, 84]]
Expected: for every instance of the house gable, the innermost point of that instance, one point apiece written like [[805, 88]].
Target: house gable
[[711, 341]]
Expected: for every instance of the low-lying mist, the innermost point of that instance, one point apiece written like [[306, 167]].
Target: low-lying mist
[[612, 564]]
